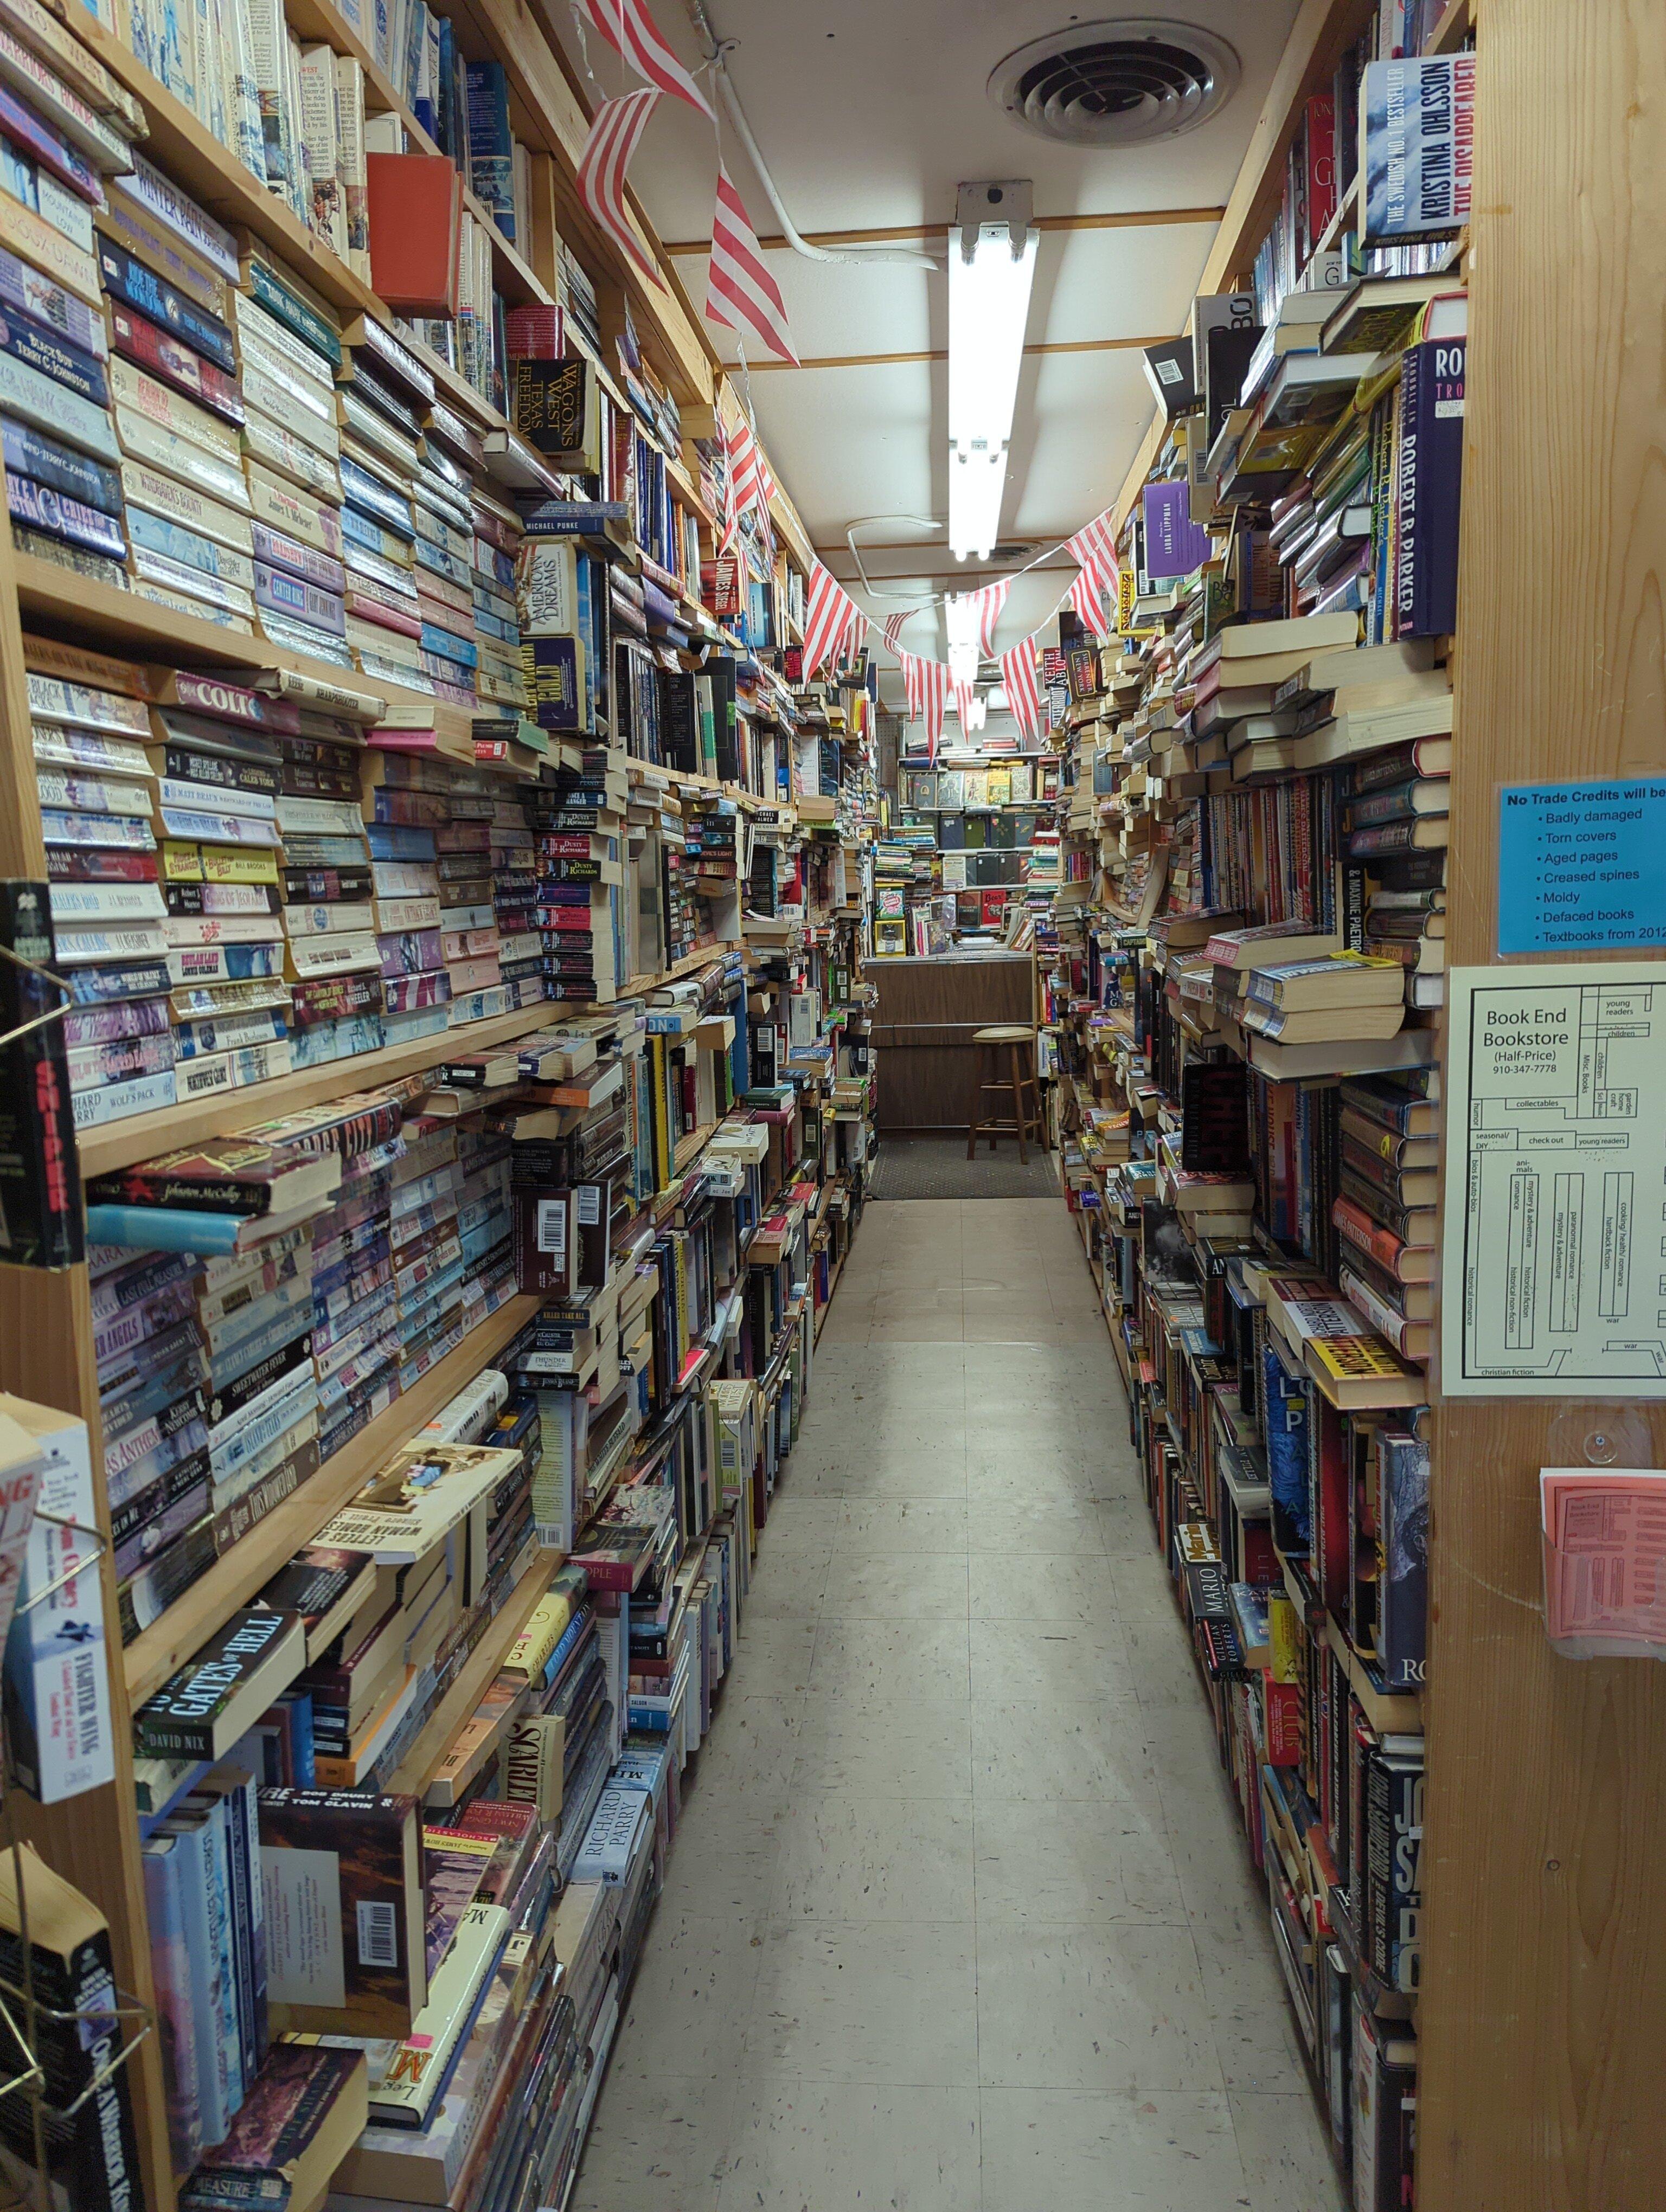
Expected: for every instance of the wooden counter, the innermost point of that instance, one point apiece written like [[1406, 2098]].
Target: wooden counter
[[928, 1011]]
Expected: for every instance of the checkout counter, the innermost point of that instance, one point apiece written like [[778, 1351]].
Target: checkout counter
[[928, 1012]]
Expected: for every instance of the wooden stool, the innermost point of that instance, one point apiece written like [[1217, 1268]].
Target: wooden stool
[[1020, 1045]]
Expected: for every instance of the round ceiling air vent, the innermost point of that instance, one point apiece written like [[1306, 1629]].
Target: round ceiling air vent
[[1116, 83]]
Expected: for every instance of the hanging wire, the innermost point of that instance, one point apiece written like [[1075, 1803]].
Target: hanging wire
[[39, 1021]]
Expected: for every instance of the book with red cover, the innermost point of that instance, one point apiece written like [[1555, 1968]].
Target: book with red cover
[[416, 207]]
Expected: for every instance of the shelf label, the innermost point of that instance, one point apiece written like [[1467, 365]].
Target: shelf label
[[1581, 866]]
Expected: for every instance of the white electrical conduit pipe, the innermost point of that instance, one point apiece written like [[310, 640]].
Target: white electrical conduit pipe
[[855, 258]]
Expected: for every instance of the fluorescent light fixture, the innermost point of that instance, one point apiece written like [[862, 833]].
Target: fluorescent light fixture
[[992, 268], [960, 614]]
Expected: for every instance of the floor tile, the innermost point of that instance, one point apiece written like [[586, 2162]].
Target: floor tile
[[905, 1524], [1062, 1749], [913, 1747], [880, 1660], [688, 2007], [882, 2002], [1080, 2150], [777, 1651], [657, 2144], [1046, 1658], [857, 1859], [1284, 2150], [831, 2147], [1042, 1586], [896, 1586], [1110, 2008], [1082, 1860]]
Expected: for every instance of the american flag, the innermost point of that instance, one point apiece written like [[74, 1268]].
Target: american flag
[[833, 623], [1094, 546], [614, 132], [1020, 678], [632, 33], [739, 290], [988, 601]]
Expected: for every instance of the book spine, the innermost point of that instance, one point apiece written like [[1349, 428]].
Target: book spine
[[171, 1969], [237, 2071]]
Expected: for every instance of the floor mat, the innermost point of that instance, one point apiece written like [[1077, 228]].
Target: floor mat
[[937, 1167]]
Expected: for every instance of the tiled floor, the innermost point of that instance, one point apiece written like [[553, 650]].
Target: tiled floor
[[958, 1919]]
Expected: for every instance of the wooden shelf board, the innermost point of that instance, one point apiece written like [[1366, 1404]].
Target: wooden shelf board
[[231, 1582], [438, 1731], [119, 1144], [102, 614]]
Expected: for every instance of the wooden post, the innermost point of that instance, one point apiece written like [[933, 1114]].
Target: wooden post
[[1544, 1944]]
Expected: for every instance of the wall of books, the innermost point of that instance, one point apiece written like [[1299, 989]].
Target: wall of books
[[419, 1225], [1247, 973]]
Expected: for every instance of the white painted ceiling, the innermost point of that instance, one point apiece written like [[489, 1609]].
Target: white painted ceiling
[[869, 113]]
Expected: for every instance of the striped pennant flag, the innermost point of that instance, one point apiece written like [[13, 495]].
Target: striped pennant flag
[[934, 699], [1087, 601], [913, 681], [833, 623], [739, 290], [633, 34], [894, 629], [746, 490], [1094, 546], [614, 130], [988, 601], [1020, 676]]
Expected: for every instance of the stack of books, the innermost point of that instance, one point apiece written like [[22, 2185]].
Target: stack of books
[[68, 129]]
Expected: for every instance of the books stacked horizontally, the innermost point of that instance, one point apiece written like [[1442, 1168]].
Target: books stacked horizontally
[[330, 954], [67, 129], [515, 897], [468, 915], [97, 795], [580, 824], [1338, 1001], [208, 1403], [1396, 819], [1384, 1210], [443, 511]]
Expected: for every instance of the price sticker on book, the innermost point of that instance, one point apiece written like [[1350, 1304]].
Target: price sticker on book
[[1579, 867]]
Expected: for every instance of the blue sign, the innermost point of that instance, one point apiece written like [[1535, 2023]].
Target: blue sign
[[1581, 866]]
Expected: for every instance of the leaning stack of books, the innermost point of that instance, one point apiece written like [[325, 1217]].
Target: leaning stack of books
[[383, 403], [331, 955], [289, 341], [514, 897], [97, 791], [66, 128], [500, 680], [468, 917], [442, 508]]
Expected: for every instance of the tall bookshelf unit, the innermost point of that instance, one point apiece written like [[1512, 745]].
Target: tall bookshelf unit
[[47, 1352], [1543, 1965]]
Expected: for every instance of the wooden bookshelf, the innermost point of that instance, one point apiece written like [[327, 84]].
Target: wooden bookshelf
[[119, 1144], [233, 1579], [422, 1761]]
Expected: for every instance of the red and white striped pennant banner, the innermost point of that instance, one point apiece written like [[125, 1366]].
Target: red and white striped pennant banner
[[833, 623], [1094, 546], [934, 702], [745, 472], [739, 290], [1020, 676], [988, 601], [1087, 600], [633, 34], [614, 132], [894, 629]]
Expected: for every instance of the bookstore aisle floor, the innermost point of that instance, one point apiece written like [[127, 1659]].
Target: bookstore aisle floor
[[959, 1915]]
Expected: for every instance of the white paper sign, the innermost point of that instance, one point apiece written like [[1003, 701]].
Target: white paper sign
[[1554, 1265]]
